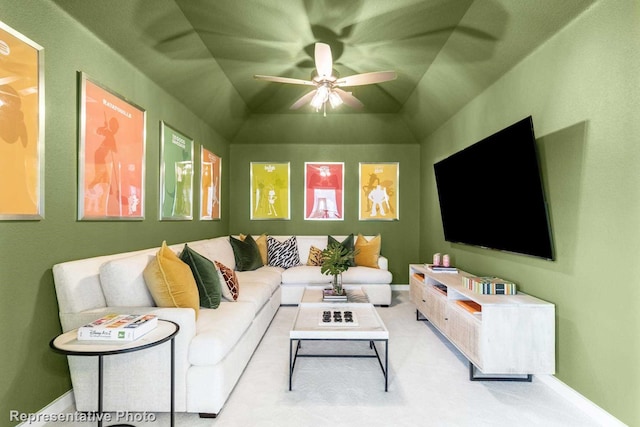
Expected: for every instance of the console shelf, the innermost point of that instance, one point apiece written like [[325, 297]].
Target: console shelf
[[501, 335]]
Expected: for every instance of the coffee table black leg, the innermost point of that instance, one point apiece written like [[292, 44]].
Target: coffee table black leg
[[386, 365]]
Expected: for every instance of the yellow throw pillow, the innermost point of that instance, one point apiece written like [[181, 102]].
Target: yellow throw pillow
[[315, 256], [261, 241], [368, 252], [170, 281]]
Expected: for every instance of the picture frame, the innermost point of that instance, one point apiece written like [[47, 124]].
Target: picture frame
[[324, 191], [210, 181], [111, 160], [270, 191], [176, 174], [379, 198], [21, 126]]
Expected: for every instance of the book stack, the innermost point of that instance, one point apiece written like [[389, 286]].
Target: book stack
[[328, 295], [489, 285], [118, 327], [441, 268]]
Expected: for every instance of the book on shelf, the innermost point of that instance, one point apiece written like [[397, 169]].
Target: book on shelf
[[118, 327], [330, 295], [441, 288], [471, 306], [489, 285], [441, 268]]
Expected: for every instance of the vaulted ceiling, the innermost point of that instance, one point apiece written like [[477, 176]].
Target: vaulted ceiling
[[205, 52]]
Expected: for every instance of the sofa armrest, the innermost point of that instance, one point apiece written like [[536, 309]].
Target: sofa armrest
[[383, 263]]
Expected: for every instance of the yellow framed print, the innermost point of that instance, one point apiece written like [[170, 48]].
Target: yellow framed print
[[379, 191]]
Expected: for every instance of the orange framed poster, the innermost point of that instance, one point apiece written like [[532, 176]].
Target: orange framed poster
[[379, 191], [111, 155], [210, 177], [21, 127]]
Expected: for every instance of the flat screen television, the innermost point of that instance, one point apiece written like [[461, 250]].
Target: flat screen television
[[491, 194]]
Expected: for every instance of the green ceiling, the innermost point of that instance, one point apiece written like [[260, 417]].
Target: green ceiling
[[205, 52]]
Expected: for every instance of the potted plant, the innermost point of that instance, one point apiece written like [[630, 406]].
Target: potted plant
[[336, 259]]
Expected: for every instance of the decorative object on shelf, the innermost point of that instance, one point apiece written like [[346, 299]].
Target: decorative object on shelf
[[270, 188], [446, 261], [379, 191], [436, 258], [118, 327], [176, 174], [112, 152], [336, 259], [441, 268], [324, 191], [210, 178], [21, 127]]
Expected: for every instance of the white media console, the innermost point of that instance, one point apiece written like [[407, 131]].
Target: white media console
[[504, 337]]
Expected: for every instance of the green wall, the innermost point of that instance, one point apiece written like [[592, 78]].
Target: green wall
[[32, 375], [582, 88], [399, 238]]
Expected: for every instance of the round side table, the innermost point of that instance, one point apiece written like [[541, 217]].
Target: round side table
[[69, 345]]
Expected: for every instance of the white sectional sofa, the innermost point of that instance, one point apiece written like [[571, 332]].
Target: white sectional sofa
[[211, 350]]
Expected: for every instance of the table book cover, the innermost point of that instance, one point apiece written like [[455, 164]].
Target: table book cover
[[118, 327]]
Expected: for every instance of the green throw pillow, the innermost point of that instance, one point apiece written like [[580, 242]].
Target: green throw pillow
[[246, 253], [206, 276], [347, 243]]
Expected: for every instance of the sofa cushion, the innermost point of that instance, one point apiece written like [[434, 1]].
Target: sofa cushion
[[255, 293], [283, 254], [216, 249], [217, 331], [228, 281], [347, 243], [366, 276], [305, 274], [170, 281], [261, 241], [246, 253], [368, 252], [123, 284], [315, 256], [268, 276], [205, 275]]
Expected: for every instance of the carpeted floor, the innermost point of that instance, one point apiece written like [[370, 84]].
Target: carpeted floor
[[428, 386]]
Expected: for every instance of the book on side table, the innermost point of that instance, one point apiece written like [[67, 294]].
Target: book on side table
[[118, 327]]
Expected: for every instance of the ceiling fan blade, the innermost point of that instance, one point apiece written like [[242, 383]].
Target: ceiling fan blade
[[349, 99], [324, 61], [283, 80], [367, 78], [305, 99]]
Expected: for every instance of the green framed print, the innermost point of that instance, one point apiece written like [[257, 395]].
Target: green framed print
[[176, 174]]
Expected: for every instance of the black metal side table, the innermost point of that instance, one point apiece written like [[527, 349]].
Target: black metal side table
[[69, 345]]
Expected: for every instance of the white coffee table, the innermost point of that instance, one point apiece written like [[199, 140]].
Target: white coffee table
[[308, 326]]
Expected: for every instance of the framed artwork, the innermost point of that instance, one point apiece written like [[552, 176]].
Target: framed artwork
[[210, 177], [379, 186], [21, 127], [270, 188], [111, 155], [176, 174], [323, 191]]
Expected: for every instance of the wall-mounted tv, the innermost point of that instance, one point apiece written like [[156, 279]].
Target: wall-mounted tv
[[491, 194]]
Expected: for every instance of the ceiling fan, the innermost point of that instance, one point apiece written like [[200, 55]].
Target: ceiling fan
[[328, 84]]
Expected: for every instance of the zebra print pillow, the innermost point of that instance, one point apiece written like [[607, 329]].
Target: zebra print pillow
[[282, 254]]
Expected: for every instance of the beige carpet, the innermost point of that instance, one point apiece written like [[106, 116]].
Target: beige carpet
[[428, 386]]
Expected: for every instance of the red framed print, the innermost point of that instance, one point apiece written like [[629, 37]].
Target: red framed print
[[323, 191], [21, 127], [112, 153], [210, 177]]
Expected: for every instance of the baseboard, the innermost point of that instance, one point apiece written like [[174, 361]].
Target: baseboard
[[58, 406], [399, 287], [595, 412]]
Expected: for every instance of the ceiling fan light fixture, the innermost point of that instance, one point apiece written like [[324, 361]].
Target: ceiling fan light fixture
[[334, 99]]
